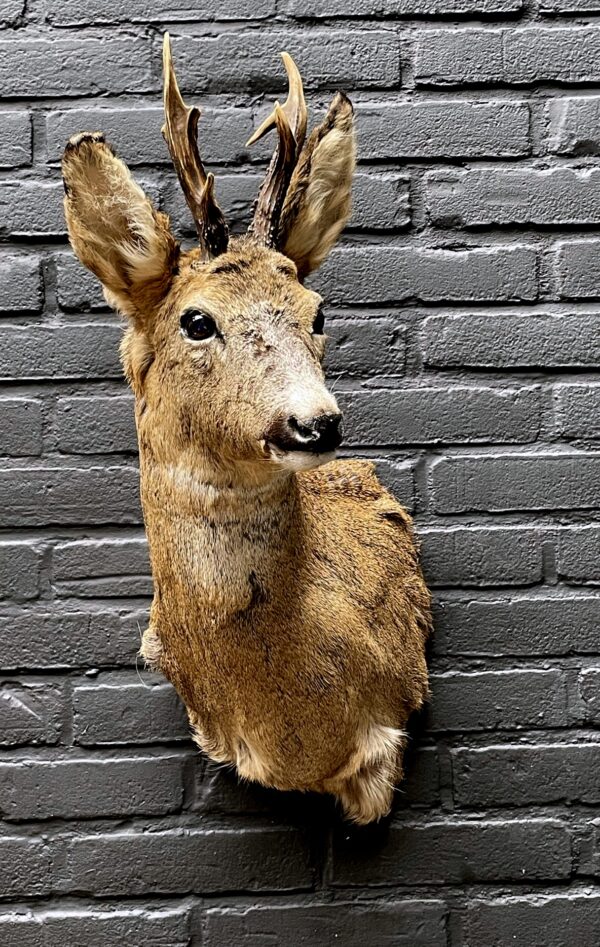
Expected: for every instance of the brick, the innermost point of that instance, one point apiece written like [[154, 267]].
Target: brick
[[31, 208], [19, 570], [167, 927], [30, 713], [498, 700], [97, 425], [90, 788], [359, 346], [421, 786], [577, 557], [15, 139], [399, 479], [242, 61], [21, 424], [20, 284], [502, 482], [70, 495], [426, 8], [135, 133], [523, 775], [558, 7], [525, 339], [25, 868], [70, 13], [441, 415], [127, 711], [199, 861], [577, 269], [76, 287], [574, 123], [398, 924], [443, 129], [402, 274], [67, 351], [550, 198], [380, 201], [481, 556], [589, 689], [519, 625], [75, 65], [536, 918], [513, 56], [64, 638], [104, 567], [523, 849], [11, 13]]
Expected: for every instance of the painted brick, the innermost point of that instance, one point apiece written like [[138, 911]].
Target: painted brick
[[401, 274], [481, 556], [21, 424], [15, 139], [532, 624], [524, 920], [31, 208], [240, 61], [76, 287], [20, 284], [577, 269], [515, 56], [362, 346], [398, 924], [127, 710], [104, 567], [25, 867], [578, 410], [96, 425], [443, 129], [167, 927], [525, 339], [498, 700], [577, 557], [75, 64], [199, 860], [30, 713], [67, 351], [19, 570], [71, 495], [523, 775], [532, 848], [64, 638], [441, 415], [441, 8], [70, 13], [498, 483], [574, 123], [549, 198], [589, 689], [89, 788]]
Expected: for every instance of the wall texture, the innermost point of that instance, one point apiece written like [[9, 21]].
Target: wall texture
[[464, 323]]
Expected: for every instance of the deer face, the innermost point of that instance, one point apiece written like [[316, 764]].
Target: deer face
[[225, 343]]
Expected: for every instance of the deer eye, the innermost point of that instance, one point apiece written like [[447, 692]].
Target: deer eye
[[197, 326], [319, 323]]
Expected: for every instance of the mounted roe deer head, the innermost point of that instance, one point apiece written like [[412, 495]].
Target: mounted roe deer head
[[289, 607]]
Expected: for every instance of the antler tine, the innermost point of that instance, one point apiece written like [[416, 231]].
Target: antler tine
[[290, 120], [180, 132]]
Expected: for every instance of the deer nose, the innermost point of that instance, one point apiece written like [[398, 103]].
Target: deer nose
[[320, 435]]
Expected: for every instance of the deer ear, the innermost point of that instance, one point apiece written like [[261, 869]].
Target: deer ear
[[114, 229], [317, 205]]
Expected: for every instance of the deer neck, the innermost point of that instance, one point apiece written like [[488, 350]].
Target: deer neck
[[216, 542]]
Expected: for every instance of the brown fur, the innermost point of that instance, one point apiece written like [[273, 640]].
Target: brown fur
[[289, 607]]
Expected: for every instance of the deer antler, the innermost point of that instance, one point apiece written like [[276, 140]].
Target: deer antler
[[180, 132], [290, 121]]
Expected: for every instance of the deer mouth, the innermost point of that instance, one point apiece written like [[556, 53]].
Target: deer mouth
[[296, 459]]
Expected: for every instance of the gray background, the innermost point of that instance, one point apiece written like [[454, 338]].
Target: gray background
[[463, 315]]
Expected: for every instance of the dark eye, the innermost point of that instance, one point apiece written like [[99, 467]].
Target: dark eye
[[319, 323], [197, 326]]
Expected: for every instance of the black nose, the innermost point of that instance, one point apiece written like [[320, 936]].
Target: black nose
[[319, 435]]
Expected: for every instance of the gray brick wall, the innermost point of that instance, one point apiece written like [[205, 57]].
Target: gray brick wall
[[464, 312]]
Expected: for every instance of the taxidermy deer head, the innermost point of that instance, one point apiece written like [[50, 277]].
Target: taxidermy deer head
[[289, 608]]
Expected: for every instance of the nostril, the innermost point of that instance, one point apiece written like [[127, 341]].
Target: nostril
[[321, 434], [304, 428]]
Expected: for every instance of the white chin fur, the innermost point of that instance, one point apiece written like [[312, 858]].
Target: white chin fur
[[299, 460]]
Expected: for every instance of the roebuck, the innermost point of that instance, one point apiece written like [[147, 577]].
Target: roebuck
[[289, 607]]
